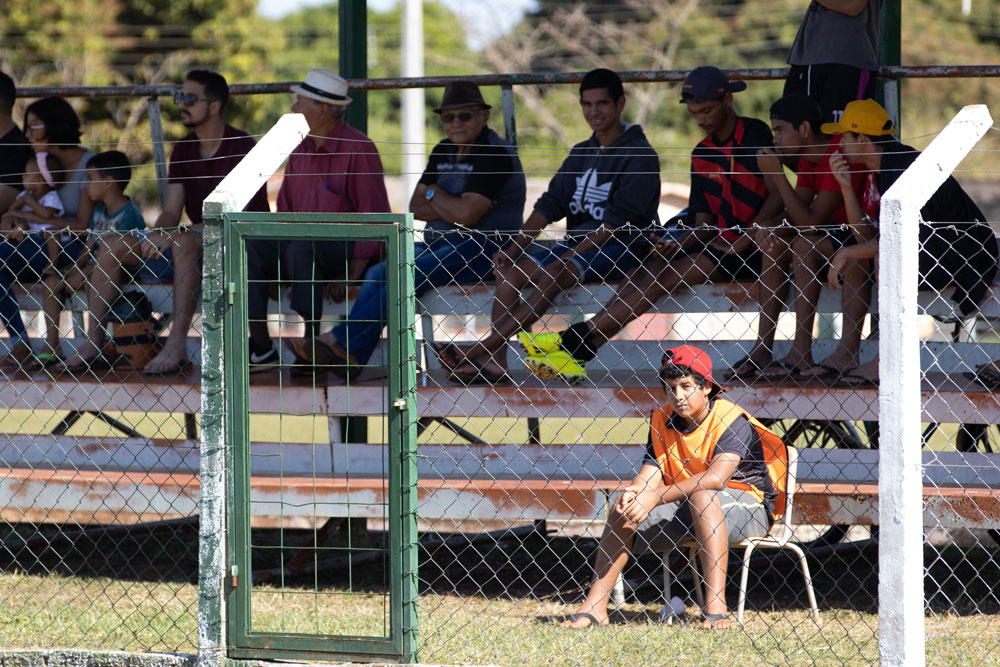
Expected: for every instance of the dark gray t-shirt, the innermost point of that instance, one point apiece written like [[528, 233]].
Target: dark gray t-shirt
[[829, 37]]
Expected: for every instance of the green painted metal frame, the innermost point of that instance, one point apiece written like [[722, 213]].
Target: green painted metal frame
[[353, 41], [397, 232]]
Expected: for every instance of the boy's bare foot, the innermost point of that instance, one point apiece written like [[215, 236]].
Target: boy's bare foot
[[835, 364], [167, 361], [584, 619], [779, 369], [749, 366], [718, 621], [18, 357]]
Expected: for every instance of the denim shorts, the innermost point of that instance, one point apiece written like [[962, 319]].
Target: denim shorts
[[611, 261]]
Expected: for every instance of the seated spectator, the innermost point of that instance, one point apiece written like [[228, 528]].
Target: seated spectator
[[471, 195], [728, 195], [172, 252], [51, 126], [35, 207], [956, 246], [608, 189], [108, 174], [815, 209], [834, 57], [336, 169], [14, 147], [704, 478]]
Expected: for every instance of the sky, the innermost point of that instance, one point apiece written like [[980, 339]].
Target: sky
[[494, 16]]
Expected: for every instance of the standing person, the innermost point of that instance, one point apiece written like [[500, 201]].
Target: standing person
[[52, 127], [706, 476], [816, 228], [728, 196], [336, 169], [14, 148], [472, 197], [956, 246], [608, 189], [198, 163], [835, 54]]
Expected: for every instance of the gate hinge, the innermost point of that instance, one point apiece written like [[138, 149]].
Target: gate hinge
[[236, 573], [232, 292], [400, 404]]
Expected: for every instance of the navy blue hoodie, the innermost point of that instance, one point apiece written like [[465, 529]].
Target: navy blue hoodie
[[617, 185]]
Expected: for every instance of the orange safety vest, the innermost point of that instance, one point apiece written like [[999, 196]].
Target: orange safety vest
[[681, 456]]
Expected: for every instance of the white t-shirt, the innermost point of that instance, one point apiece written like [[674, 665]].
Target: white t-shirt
[[49, 200]]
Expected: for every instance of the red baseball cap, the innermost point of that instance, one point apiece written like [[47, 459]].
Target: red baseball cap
[[693, 358]]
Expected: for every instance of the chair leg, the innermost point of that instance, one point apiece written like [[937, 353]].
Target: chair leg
[[744, 572], [699, 584], [618, 592], [805, 573], [667, 613]]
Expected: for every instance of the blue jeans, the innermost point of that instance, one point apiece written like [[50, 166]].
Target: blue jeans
[[444, 262], [25, 262]]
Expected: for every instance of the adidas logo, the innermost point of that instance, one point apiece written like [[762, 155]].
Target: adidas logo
[[589, 193]]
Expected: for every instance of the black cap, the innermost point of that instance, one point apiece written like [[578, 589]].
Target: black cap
[[708, 83], [458, 94], [794, 109]]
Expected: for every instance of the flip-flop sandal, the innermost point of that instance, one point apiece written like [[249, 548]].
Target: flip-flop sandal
[[480, 377], [713, 619], [852, 380], [988, 378], [48, 359], [594, 623], [98, 363], [744, 369], [443, 350], [788, 371], [829, 373]]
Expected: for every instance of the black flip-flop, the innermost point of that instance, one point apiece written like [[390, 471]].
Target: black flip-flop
[[321, 354], [737, 372], [480, 377], [713, 619], [852, 380], [829, 373], [989, 379], [594, 623], [443, 349], [790, 371]]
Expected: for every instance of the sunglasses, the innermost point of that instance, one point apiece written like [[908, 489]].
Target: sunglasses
[[464, 116], [189, 99]]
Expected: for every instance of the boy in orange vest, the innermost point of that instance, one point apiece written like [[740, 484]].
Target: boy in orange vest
[[711, 472]]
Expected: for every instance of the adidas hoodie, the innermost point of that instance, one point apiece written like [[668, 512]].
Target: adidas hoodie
[[617, 185]]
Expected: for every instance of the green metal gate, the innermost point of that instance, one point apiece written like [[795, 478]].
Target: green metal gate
[[278, 613]]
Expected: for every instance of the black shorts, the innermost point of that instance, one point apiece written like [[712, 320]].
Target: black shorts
[[840, 237], [731, 266], [833, 86]]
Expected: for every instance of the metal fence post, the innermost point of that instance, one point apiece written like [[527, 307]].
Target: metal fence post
[[509, 119], [159, 151], [901, 563]]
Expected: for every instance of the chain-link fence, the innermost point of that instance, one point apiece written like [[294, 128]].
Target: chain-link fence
[[538, 403]]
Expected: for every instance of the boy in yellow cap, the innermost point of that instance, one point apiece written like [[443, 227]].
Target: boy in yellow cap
[[956, 246], [711, 473]]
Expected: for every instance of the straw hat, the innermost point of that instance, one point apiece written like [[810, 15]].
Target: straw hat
[[324, 86]]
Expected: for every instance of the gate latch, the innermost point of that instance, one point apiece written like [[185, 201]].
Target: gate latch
[[399, 404]]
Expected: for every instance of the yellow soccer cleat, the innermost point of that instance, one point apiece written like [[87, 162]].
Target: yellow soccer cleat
[[539, 343], [556, 364]]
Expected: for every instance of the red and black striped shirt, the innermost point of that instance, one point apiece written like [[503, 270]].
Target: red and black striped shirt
[[725, 180]]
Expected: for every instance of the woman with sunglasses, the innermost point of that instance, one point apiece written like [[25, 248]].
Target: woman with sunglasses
[[50, 125]]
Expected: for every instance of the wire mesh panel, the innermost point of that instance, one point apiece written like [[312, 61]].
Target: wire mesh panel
[[310, 579]]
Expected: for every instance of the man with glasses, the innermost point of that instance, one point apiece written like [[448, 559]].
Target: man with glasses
[[336, 169], [198, 163], [472, 197]]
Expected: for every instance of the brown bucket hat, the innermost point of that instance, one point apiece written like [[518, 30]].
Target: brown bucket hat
[[458, 94]]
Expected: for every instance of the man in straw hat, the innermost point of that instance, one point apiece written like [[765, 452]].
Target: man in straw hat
[[336, 169], [472, 197]]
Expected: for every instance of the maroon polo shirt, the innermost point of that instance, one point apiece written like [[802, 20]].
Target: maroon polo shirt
[[341, 175], [200, 175]]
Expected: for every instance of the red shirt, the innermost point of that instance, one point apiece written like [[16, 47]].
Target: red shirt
[[200, 175], [341, 175], [819, 177]]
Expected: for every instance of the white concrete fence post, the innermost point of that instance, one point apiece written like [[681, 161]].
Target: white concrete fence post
[[901, 567]]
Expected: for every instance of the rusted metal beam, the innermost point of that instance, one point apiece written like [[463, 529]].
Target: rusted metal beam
[[509, 79]]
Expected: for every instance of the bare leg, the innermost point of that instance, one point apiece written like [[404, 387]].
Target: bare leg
[[775, 262], [187, 250], [52, 306], [713, 544], [855, 300], [612, 555]]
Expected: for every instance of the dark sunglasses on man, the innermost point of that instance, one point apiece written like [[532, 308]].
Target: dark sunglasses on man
[[189, 99], [464, 116]]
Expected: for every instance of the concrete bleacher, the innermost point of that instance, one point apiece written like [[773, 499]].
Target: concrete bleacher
[[513, 482]]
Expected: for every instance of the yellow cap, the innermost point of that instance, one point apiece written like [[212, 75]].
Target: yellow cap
[[863, 117]]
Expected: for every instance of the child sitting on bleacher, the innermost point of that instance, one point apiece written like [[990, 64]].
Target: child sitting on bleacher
[[108, 174], [37, 205]]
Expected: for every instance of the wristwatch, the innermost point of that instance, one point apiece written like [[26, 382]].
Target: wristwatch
[[429, 195]]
